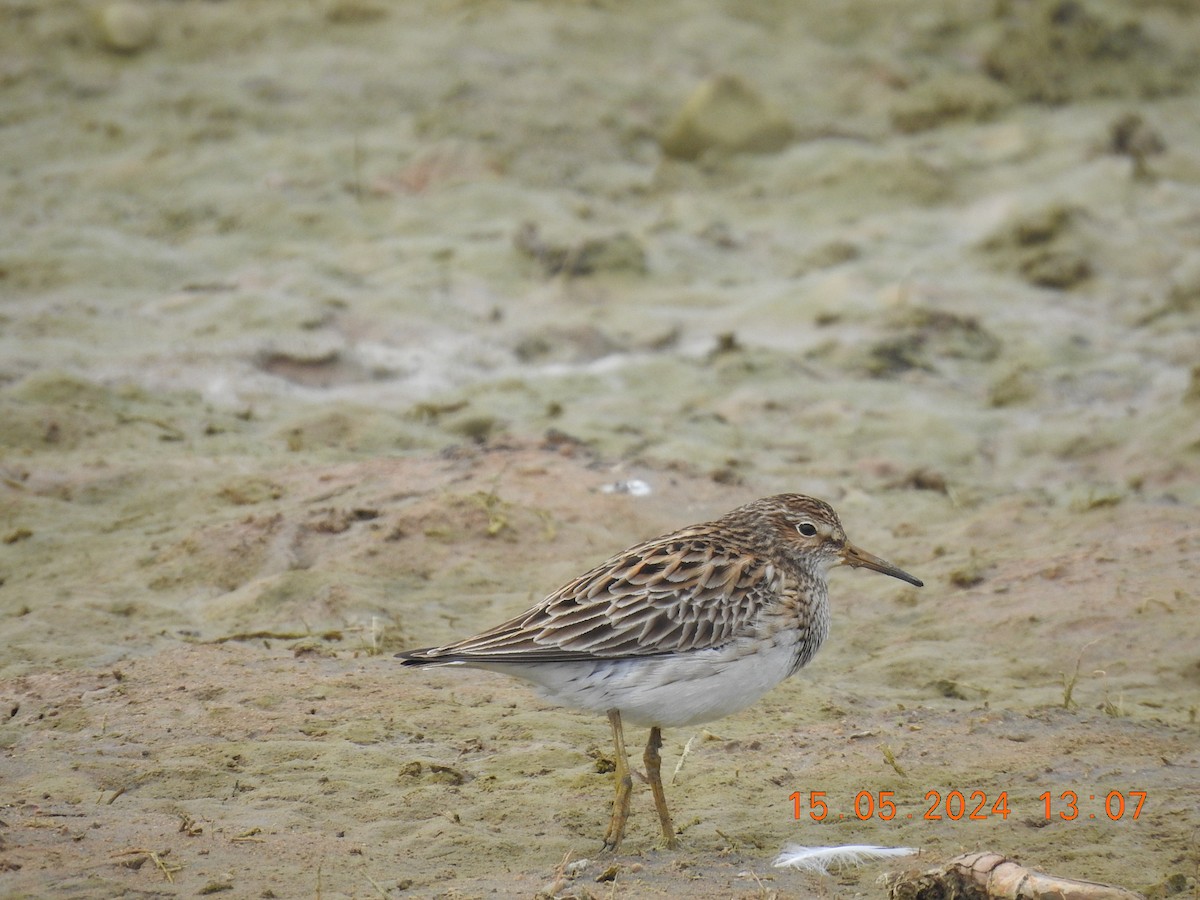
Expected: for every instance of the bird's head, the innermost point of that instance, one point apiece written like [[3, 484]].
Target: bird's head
[[808, 534]]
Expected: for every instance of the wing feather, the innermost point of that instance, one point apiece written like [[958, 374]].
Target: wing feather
[[681, 592]]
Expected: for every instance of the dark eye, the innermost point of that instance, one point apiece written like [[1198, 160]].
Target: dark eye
[[808, 529]]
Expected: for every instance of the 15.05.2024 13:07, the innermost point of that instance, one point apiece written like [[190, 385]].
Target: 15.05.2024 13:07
[[978, 806]]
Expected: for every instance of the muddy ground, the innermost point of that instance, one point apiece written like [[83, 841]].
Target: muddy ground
[[326, 329]]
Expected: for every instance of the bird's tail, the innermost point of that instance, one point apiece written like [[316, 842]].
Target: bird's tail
[[421, 657]]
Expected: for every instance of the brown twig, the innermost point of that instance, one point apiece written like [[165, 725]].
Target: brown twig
[[167, 869], [991, 876]]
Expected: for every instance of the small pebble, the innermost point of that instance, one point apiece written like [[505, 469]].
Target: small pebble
[[125, 27], [726, 114]]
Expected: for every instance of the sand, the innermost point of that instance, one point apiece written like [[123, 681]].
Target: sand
[[327, 328]]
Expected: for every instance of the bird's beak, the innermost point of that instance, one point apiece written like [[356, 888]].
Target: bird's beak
[[852, 556]]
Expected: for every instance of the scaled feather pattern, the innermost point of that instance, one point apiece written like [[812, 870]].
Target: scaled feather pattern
[[696, 589]]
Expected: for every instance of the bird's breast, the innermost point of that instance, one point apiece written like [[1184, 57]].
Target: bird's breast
[[802, 613]]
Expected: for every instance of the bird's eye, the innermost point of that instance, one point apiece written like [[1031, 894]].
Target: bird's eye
[[808, 529]]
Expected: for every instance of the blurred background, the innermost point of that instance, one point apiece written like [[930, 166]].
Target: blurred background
[[333, 327]]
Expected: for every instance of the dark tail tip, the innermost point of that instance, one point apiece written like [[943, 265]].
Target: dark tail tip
[[412, 658]]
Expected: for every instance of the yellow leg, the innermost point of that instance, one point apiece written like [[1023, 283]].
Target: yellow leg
[[654, 776], [624, 779]]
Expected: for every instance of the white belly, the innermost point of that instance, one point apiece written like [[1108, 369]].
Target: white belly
[[666, 691]]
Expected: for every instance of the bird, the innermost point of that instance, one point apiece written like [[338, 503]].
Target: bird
[[677, 630]]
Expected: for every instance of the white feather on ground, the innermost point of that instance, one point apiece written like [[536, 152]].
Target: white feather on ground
[[819, 859]]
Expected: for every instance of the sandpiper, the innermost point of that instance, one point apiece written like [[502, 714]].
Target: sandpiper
[[678, 630]]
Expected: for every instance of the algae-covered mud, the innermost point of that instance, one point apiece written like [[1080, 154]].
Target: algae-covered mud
[[329, 329]]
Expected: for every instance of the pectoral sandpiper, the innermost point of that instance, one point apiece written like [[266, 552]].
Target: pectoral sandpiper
[[678, 630]]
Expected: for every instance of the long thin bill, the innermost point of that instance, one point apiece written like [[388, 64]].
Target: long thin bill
[[853, 556]]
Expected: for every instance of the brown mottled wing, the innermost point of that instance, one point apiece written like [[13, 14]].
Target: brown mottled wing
[[681, 592]]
